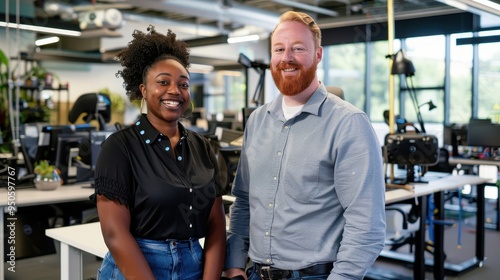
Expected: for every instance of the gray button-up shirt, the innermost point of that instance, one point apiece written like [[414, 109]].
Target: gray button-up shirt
[[309, 189]]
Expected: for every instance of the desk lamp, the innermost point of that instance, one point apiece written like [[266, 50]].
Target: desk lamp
[[403, 65], [261, 69]]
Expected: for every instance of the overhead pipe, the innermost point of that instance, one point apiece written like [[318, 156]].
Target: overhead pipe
[[242, 14]]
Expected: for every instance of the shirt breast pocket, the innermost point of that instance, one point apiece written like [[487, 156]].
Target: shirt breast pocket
[[302, 184]]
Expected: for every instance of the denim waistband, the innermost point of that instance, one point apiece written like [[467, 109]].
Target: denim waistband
[[168, 242]]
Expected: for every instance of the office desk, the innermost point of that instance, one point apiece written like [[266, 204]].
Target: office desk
[[82, 238], [469, 161], [31, 197], [77, 239], [437, 187], [74, 238]]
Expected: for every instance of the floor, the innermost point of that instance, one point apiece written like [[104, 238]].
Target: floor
[[458, 249], [47, 267]]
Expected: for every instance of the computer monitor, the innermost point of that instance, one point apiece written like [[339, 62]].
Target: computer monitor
[[483, 133], [455, 135], [96, 139], [74, 157], [199, 113], [231, 157], [246, 114], [48, 139]]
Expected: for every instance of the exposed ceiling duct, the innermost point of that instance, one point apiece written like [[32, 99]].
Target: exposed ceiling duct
[[236, 14], [210, 21], [194, 29]]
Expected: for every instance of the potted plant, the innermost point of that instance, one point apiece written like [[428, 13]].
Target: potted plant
[[5, 128], [46, 176]]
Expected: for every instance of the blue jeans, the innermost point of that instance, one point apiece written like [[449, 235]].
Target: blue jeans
[[169, 260], [253, 274]]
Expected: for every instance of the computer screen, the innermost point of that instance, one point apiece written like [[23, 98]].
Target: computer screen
[[455, 135], [246, 114], [483, 133], [96, 139], [48, 139], [231, 157], [67, 155]]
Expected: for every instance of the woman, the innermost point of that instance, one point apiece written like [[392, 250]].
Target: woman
[[158, 185]]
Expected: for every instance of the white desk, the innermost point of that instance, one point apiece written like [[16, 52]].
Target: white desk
[[75, 239], [436, 187], [31, 197], [469, 161], [88, 237]]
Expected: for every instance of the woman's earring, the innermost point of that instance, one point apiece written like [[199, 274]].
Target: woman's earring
[[142, 105], [189, 111]]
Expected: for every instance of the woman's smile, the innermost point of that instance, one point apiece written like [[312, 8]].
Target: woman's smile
[[171, 104]]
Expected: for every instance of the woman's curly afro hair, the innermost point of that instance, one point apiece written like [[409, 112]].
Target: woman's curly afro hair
[[145, 50]]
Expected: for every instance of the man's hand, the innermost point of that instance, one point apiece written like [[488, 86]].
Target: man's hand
[[233, 273]]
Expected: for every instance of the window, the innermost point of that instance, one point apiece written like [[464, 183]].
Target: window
[[460, 110], [346, 69], [428, 57], [489, 79]]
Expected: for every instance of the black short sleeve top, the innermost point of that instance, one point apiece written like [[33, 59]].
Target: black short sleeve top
[[169, 197]]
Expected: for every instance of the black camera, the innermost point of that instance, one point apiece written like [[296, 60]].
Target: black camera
[[411, 149]]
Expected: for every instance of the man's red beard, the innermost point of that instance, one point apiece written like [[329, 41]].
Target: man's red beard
[[291, 86]]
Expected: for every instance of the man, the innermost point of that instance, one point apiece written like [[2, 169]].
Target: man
[[310, 185]]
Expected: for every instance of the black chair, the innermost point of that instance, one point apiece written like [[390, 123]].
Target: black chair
[[95, 106]]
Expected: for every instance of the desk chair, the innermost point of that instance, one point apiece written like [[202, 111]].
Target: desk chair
[[336, 90], [443, 165], [402, 223], [94, 106]]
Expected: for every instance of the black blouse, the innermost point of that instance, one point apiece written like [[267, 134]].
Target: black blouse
[[169, 197]]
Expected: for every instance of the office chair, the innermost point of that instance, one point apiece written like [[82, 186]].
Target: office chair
[[336, 90], [95, 106]]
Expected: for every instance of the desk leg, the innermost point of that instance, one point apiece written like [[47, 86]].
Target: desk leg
[[498, 208], [419, 261], [480, 235], [71, 263], [439, 254], [2, 249]]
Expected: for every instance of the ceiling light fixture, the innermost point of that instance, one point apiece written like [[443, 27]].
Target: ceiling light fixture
[[41, 29], [206, 41], [240, 39], [47, 41], [478, 7], [200, 68]]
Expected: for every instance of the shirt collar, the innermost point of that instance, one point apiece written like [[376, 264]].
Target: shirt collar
[[149, 134], [312, 105]]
